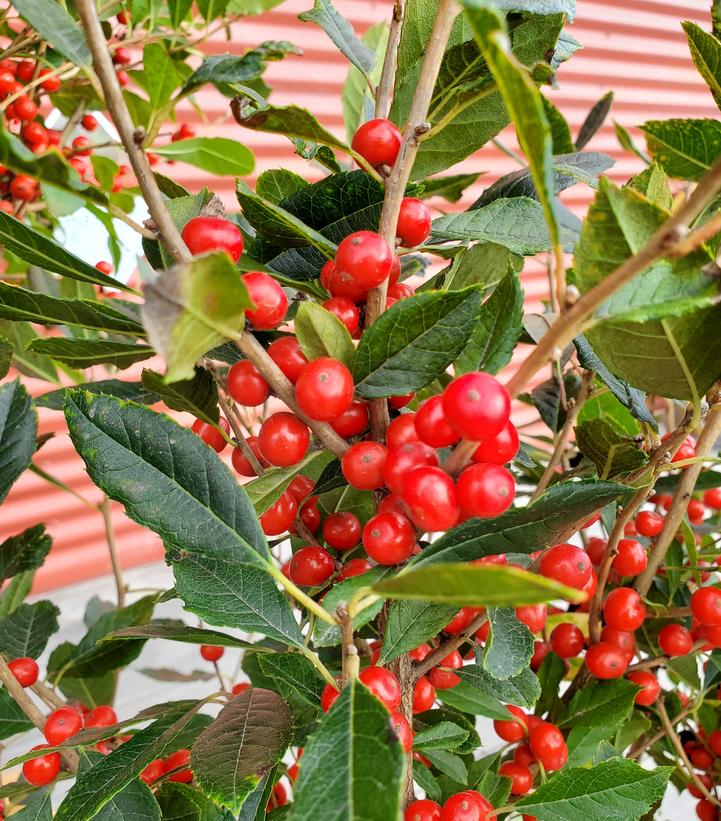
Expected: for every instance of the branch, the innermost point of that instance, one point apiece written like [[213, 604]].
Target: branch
[[120, 585], [231, 415], [350, 659], [131, 138], [663, 243], [453, 643], [384, 92]]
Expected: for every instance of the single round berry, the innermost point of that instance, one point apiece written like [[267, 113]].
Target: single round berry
[[461, 620], [567, 564], [153, 771], [378, 142], [311, 566], [177, 764], [328, 696], [104, 267], [310, 514], [345, 310], [402, 460], [485, 490], [424, 695], [567, 640], [401, 430], [500, 448], [596, 549], [422, 810], [101, 716], [650, 688], [288, 356], [339, 287], [284, 439], [324, 389], [353, 421], [513, 730], [675, 640], [240, 461], [362, 465], [468, 805], [211, 652], [354, 567], [342, 531], [25, 670], [61, 724], [205, 234], [83, 146], [279, 517], [706, 811], [25, 109], [624, 609], [431, 425], [246, 385], [476, 405], [712, 498], [403, 731], [605, 660], [24, 188], [706, 605], [414, 222], [533, 616], [624, 640], [210, 433], [548, 745], [42, 770], [89, 123], [383, 684], [363, 260], [442, 677], [521, 778], [649, 524], [389, 538], [631, 558], [431, 497], [269, 300], [301, 487]]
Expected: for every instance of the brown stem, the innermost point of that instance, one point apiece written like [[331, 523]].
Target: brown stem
[[398, 180], [697, 238], [231, 415], [283, 389], [48, 695], [662, 244], [351, 660], [120, 585], [384, 92], [131, 137], [448, 646], [459, 457], [639, 747]]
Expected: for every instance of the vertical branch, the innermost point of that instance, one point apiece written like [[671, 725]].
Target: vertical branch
[[350, 659], [384, 92], [120, 585]]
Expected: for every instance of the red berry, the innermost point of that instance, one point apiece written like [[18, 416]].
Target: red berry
[[383, 684], [153, 771], [284, 439], [378, 142], [310, 515], [268, 298], [104, 267], [675, 640], [424, 695], [624, 609], [444, 679], [706, 605], [61, 724], [288, 356], [83, 147], [354, 567], [414, 222], [625, 641], [324, 389], [7, 82], [311, 566], [401, 430], [500, 448], [649, 684], [567, 564], [461, 620], [596, 549], [211, 652], [24, 188], [345, 310], [485, 490], [567, 640], [89, 122], [402, 460], [42, 770], [363, 464], [246, 385], [712, 498], [101, 716], [398, 402], [210, 434], [301, 487], [353, 421], [476, 405], [420, 652], [241, 463], [342, 531], [548, 745], [706, 811], [280, 515], [468, 805], [649, 524], [176, 761], [606, 660], [431, 425], [122, 57], [328, 696], [25, 670], [431, 497], [631, 558], [25, 109], [338, 287], [363, 260], [403, 730], [533, 616], [205, 234], [389, 538], [521, 778], [514, 730], [34, 132], [422, 810]]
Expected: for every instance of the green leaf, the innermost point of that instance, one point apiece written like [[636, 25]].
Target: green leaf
[[159, 485], [279, 183], [181, 802], [178, 11], [40, 809], [652, 182], [37, 249], [226, 593], [18, 431], [161, 78], [12, 718], [523, 530], [561, 141], [25, 632], [509, 646], [610, 451], [476, 585], [224, 69], [442, 736], [414, 342], [84, 353], [177, 632], [615, 790], [499, 328], [427, 781], [6, 355], [547, 396], [294, 675], [19, 334], [15, 592], [198, 395], [357, 729], [523, 689], [20, 304], [450, 187], [267, 489], [684, 148], [539, 6], [516, 223], [249, 735], [193, 307], [410, 623], [706, 55], [321, 333], [484, 264], [627, 143], [23, 552], [94, 788], [357, 96], [341, 33], [594, 120], [216, 155], [54, 24], [55, 400], [449, 764], [641, 320]]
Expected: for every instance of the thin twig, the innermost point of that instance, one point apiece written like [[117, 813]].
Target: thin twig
[[120, 586], [448, 646], [231, 415], [384, 92], [118, 213], [48, 695]]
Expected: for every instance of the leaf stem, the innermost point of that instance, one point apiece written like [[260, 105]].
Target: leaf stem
[[319, 666], [302, 598]]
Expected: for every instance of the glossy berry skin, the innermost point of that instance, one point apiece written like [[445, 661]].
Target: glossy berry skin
[[500, 448], [378, 142], [205, 234], [324, 389], [283, 439], [675, 640], [342, 531], [354, 567], [461, 620], [176, 761], [342, 288], [301, 487], [23, 188], [246, 385], [533, 616], [153, 771], [104, 267], [311, 566], [706, 605], [567, 640], [280, 515], [485, 490], [414, 222], [422, 810], [625, 641], [468, 805], [362, 465], [631, 558], [706, 811], [521, 778], [389, 538], [650, 687], [649, 524], [624, 609], [269, 299], [567, 564], [101, 716], [210, 434], [25, 670], [89, 123], [383, 684], [476, 405], [310, 514], [61, 724], [401, 430], [353, 421], [424, 695], [345, 310], [712, 498], [431, 425], [548, 745], [211, 652], [430, 494], [403, 731], [288, 356], [606, 661], [444, 679], [402, 460], [41, 771], [363, 260], [513, 730], [241, 463], [328, 696]]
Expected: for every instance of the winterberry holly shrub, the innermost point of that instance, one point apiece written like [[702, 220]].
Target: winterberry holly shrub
[[391, 565]]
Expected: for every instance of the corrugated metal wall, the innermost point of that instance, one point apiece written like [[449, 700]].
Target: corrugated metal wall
[[635, 47]]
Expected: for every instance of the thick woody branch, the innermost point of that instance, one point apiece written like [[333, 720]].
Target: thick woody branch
[[350, 659], [384, 92], [131, 138]]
